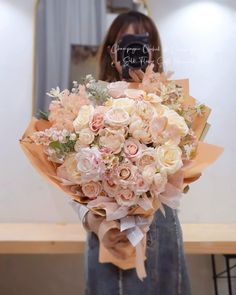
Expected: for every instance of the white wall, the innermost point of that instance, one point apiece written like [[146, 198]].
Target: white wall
[[24, 195], [199, 43]]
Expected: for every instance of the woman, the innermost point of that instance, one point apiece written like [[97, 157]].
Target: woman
[[165, 264]]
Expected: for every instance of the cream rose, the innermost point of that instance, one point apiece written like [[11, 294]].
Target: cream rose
[[124, 103], [169, 158], [140, 130], [68, 170], [83, 118], [86, 137], [148, 174], [176, 119], [117, 117], [153, 98], [145, 110]]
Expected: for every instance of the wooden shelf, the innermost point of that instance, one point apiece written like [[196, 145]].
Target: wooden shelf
[[41, 238]]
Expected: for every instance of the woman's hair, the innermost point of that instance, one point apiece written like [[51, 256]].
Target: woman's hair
[[140, 23]]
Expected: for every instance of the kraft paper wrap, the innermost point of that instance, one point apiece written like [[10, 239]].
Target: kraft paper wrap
[[206, 154]]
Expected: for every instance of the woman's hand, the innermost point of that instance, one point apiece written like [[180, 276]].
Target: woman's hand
[[136, 75], [115, 241], [93, 221]]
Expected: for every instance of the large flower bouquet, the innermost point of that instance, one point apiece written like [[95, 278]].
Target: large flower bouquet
[[122, 149]]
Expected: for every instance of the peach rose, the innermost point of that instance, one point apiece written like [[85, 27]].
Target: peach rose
[[112, 140], [146, 158], [126, 197], [132, 148], [91, 189], [116, 89], [125, 174], [136, 94]]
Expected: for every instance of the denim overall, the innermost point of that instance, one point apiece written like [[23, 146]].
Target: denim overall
[[166, 268]]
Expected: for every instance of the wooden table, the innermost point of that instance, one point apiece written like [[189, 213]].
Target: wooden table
[[36, 238]]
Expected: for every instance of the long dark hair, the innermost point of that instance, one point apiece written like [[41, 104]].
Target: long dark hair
[[141, 23]]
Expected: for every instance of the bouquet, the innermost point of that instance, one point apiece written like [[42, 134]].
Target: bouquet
[[123, 150]]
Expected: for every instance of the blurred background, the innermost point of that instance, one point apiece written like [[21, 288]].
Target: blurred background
[[47, 43]]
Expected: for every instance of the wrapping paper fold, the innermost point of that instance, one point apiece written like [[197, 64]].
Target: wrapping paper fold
[[206, 154]]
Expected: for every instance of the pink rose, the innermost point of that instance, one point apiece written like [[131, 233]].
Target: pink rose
[[159, 182], [97, 122], [132, 148], [126, 197], [141, 186], [91, 189], [89, 164]]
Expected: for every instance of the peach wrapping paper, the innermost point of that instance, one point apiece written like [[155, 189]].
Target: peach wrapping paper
[[206, 154]]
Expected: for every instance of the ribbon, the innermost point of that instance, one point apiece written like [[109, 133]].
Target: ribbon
[[136, 228]]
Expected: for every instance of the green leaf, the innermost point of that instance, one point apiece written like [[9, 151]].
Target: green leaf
[[55, 145], [43, 115]]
